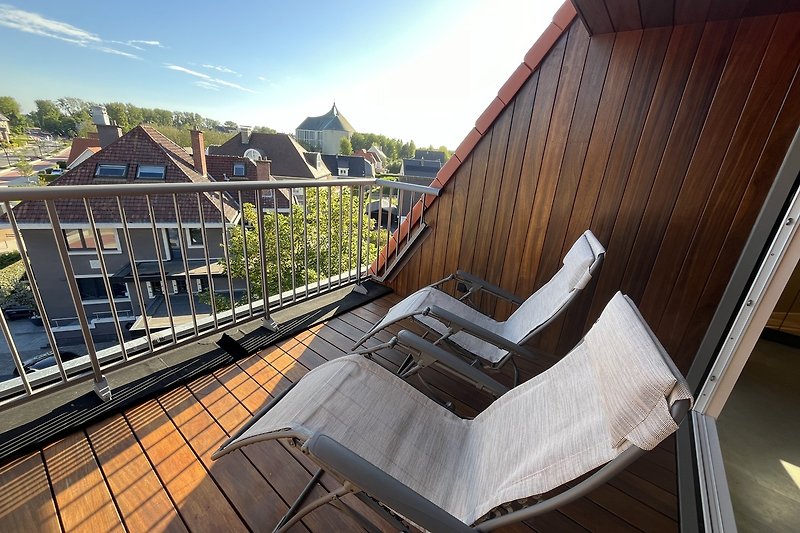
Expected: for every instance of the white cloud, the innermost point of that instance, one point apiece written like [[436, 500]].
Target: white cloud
[[208, 79], [156, 44], [206, 85], [36, 24], [114, 51], [33, 23], [262, 78], [226, 70]]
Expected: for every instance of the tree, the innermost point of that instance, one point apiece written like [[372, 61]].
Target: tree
[[16, 120], [298, 237], [14, 288], [345, 148], [24, 167]]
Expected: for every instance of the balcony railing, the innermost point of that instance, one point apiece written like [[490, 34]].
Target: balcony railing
[[119, 273]]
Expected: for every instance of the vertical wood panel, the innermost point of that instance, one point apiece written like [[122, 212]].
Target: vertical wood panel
[[647, 149], [691, 11], [563, 111], [544, 101], [657, 14], [624, 14]]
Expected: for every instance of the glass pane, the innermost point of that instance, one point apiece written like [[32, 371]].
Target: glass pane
[[74, 239], [112, 171], [109, 237]]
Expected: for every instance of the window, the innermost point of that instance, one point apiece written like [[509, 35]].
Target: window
[[252, 154], [154, 289], [238, 169], [83, 240], [151, 172], [344, 171], [269, 193], [111, 171], [195, 237], [94, 289]]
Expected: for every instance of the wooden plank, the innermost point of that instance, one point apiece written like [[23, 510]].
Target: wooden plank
[[244, 487], [758, 116], [491, 191], [557, 134], [691, 11], [624, 14], [459, 185], [82, 496], [594, 16], [658, 13], [440, 238], [199, 500], [139, 495], [718, 127], [477, 179], [726, 9], [544, 102], [26, 502], [509, 184], [568, 177], [749, 207]]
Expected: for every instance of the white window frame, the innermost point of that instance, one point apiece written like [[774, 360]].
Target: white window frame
[[93, 251], [244, 170], [189, 237]]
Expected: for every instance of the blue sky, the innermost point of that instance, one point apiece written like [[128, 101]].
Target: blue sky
[[421, 70]]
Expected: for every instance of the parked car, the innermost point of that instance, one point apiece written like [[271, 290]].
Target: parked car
[[44, 360], [14, 312]]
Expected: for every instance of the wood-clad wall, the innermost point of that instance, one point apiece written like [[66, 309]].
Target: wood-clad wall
[[663, 141]]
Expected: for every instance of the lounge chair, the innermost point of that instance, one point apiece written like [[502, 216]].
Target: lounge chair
[[615, 395], [475, 335]]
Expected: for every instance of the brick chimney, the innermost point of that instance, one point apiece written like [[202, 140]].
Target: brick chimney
[[199, 152], [262, 169], [107, 132]]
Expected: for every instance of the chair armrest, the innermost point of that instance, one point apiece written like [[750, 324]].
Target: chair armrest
[[452, 362], [451, 319], [381, 486], [481, 284]]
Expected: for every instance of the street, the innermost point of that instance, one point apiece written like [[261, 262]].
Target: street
[[38, 165]]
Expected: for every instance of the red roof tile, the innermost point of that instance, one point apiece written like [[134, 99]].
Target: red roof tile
[[79, 145]]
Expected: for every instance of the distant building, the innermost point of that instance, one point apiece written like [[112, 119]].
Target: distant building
[[373, 158], [349, 166], [141, 156], [287, 158], [325, 133], [5, 129], [80, 145], [425, 165]]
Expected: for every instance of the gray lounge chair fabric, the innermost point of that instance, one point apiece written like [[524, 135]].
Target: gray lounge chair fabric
[[611, 392], [533, 314]]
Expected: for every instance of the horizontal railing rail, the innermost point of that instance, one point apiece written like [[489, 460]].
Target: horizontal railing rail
[[120, 272]]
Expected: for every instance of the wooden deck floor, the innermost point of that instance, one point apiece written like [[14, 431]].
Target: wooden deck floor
[[149, 468]]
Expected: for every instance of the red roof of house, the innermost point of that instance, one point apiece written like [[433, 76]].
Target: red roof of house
[[143, 145], [79, 145], [220, 168]]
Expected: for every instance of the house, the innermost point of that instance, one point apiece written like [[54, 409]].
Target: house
[[325, 132], [670, 129], [80, 145], [373, 158], [238, 168], [288, 160], [349, 166], [141, 156], [420, 168], [5, 130]]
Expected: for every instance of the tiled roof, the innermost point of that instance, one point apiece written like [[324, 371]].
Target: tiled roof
[[143, 145], [3, 117], [79, 145], [286, 156], [332, 121], [423, 168], [220, 168], [356, 165], [431, 155]]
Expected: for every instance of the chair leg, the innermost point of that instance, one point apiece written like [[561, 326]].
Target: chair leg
[[294, 515]]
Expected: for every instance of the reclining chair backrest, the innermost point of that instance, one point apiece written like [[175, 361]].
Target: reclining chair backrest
[[610, 392], [544, 305]]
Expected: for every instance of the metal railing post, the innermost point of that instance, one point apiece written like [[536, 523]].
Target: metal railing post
[[267, 322], [100, 383], [207, 256], [360, 243], [184, 248], [135, 272], [23, 253]]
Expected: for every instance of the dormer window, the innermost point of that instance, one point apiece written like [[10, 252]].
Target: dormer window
[[111, 171], [151, 172], [238, 170]]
